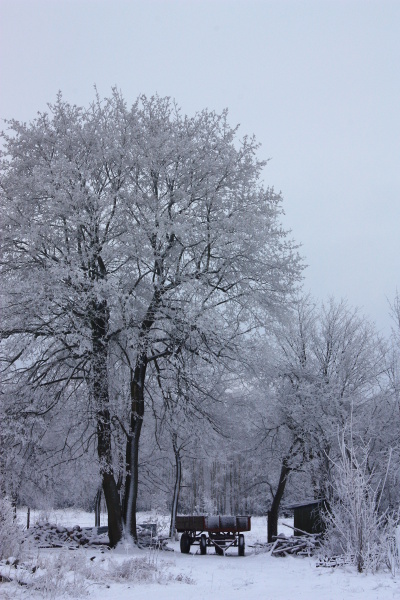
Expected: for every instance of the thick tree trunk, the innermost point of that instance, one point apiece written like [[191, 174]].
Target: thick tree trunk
[[273, 513], [113, 509], [177, 486], [101, 398], [110, 490], [132, 446]]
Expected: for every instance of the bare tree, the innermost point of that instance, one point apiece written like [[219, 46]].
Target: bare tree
[[357, 527], [329, 371]]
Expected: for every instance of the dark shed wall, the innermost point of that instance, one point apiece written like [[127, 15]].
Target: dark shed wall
[[308, 518]]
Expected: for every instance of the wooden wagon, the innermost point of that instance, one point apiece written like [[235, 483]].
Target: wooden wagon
[[221, 531]]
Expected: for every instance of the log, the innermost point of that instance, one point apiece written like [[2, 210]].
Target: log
[[301, 531], [274, 546]]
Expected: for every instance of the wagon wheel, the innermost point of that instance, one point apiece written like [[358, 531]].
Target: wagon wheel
[[203, 544], [185, 543], [241, 544]]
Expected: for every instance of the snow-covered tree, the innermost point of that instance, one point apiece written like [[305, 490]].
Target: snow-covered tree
[[129, 236], [328, 372], [356, 526]]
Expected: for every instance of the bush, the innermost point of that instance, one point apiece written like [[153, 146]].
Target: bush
[[355, 527], [11, 535]]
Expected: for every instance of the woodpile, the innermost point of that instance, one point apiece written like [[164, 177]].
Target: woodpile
[[305, 544], [336, 561], [46, 535], [302, 545], [148, 539]]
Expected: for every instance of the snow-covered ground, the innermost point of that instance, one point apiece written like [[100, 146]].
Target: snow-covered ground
[[257, 576]]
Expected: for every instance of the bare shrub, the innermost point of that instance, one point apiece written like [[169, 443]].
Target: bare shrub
[[141, 569], [393, 545], [11, 535], [58, 574], [355, 526]]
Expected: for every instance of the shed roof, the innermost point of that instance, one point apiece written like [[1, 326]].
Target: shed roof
[[311, 502]]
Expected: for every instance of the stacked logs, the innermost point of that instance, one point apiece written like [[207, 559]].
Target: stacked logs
[[302, 545], [46, 535], [305, 544]]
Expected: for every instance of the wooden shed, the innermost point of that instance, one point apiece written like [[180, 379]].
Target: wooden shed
[[307, 516]]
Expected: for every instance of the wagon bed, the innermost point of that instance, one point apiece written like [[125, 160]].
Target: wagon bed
[[220, 531]]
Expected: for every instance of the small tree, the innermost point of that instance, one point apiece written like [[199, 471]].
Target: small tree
[[355, 525], [10, 533]]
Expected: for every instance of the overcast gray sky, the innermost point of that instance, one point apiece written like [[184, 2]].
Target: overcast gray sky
[[317, 82]]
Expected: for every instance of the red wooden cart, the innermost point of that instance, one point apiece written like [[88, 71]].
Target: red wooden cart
[[221, 531]]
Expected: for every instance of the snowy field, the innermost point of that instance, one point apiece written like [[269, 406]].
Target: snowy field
[[257, 576]]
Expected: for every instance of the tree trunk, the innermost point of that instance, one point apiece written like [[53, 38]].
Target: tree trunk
[[132, 446], [108, 482], [101, 399], [113, 509], [273, 513], [177, 486], [14, 502], [97, 508]]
